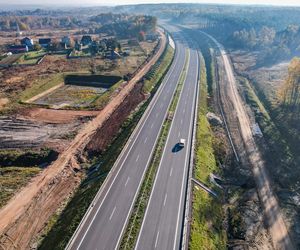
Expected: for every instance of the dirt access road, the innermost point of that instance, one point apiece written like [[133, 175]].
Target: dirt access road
[[27, 212], [273, 216]]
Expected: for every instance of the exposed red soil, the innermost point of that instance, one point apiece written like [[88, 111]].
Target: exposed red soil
[[27, 213], [55, 116]]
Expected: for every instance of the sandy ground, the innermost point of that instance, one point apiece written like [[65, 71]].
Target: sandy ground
[[273, 215], [55, 116], [28, 211]]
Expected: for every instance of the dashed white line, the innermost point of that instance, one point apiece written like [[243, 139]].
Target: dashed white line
[[156, 239], [112, 213], [137, 158], [179, 134], [184, 110], [145, 140], [165, 199], [127, 181], [171, 171], [181, 121]]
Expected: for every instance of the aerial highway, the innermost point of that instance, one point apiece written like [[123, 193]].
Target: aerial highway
[[104, 223], [163, 221]]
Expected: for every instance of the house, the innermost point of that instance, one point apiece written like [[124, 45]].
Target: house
[[86, 40], [27, 41], [66, 40], [15, 49], [44, 42]]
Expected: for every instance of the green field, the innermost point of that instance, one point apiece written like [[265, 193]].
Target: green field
[[30, 58]]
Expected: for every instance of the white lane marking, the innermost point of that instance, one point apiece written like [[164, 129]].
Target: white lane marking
[[145, 140], [152, 125], [184, 110], [185, 103], [158, 171], [179, 134], [165, 199], [171, 172], [186, 162], [137, 158], [127, 181], [112, 213], [181, 121], [137, 130], [156, 239]]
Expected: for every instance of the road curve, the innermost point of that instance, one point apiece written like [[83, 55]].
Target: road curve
[[163, 222], [103, 226]]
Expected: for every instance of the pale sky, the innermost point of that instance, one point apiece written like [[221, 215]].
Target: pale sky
[[120, 2]]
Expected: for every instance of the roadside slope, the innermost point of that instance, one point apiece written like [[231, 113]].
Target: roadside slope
[[274, 218], [19, 223]]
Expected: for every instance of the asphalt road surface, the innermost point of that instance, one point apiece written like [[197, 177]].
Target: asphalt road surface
[[163, 222], [106, 219]]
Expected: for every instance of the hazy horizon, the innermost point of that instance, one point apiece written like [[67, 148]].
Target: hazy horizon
[[123, 2]]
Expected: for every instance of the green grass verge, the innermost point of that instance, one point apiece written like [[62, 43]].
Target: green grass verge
[[12, 179], [31, 57], [41, 85], [63, 224], [207, 230], [137, 215], [101, 101], [158, 70]]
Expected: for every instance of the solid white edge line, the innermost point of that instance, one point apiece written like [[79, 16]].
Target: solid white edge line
[[159, 167], [139, 127], [136, 194], [185, 168]]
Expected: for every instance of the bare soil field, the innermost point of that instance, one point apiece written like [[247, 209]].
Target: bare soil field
[[56, 116], [27, 212], [20, 133], [71, 96]]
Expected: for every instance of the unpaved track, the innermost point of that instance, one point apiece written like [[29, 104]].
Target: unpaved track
[[274, 218], [18, 222]]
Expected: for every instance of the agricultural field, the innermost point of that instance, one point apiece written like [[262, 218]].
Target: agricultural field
[[71, 96], [30, 58], [9, 60]]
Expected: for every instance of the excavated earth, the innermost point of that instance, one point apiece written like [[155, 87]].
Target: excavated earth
[[27, 213]]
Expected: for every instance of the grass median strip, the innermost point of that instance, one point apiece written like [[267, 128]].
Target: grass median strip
[[136, 218], [62, 225]]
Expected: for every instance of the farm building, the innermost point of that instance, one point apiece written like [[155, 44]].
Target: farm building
[[44, 42], [15, 49], [27, 41]]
